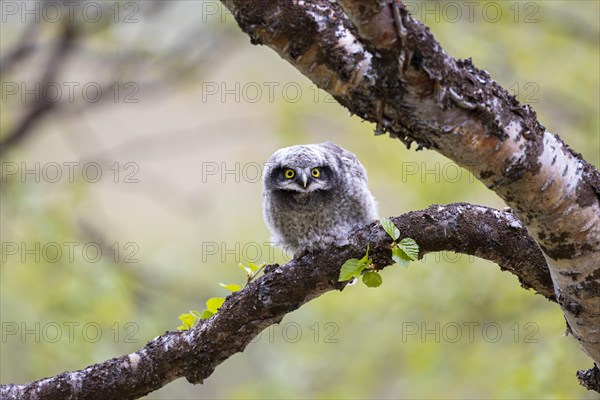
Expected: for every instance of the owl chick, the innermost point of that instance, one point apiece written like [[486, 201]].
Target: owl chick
[[315, 195]]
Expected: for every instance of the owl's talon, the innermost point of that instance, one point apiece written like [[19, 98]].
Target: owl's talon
[[301, 252]]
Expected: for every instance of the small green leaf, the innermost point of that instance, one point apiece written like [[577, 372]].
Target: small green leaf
[[187, 320], [410, 248], [232, 286], [372, 279], [195, 313], [248, 270], [390, 228], [366, 261], [206, 314], [253, 267], [400, 257], [350, 269], [214, 303]]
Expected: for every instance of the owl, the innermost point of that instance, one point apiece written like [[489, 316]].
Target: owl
[[315, 195]]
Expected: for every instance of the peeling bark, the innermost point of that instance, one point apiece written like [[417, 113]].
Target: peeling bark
[[386, 67], [480, 231]]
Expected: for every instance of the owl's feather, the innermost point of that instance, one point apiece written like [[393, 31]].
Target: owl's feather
[[305, 212]]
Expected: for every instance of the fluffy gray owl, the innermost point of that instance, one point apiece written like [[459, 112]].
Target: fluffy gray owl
[[315, 195]]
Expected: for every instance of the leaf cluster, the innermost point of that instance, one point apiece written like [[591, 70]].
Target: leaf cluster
[[214, 303], [403, 252]]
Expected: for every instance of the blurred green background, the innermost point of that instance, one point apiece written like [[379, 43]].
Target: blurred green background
[[177, 112]]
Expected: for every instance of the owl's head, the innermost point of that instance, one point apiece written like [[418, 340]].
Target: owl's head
[[303, 169]]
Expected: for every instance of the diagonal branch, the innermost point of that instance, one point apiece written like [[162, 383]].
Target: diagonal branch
[[475, 230], [23, 49], [42, 105]]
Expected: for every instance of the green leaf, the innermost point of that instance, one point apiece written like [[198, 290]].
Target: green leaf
[[214, 303], [232, 286], [390, 228], [410, 248], [253, 267], [206, 314], [187, 320], [400, 257], [372, 279], [195, 313], [350, 269], [248, 270], [366, 261]]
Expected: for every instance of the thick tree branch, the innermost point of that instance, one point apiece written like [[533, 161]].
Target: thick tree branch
[[375, 22], [480, 231], [413, 90]]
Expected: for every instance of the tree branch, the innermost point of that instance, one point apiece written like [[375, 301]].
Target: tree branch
[[42, 105], [474, 230], [386, 67], [22, 49]]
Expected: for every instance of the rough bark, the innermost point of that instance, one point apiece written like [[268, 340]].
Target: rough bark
[[590, 379], [386, 67], [487, 233]]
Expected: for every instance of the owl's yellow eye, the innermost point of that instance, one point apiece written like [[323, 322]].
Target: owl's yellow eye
[[289, 173], [315, 172]]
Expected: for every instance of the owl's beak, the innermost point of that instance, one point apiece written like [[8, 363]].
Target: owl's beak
[[304, 179]]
